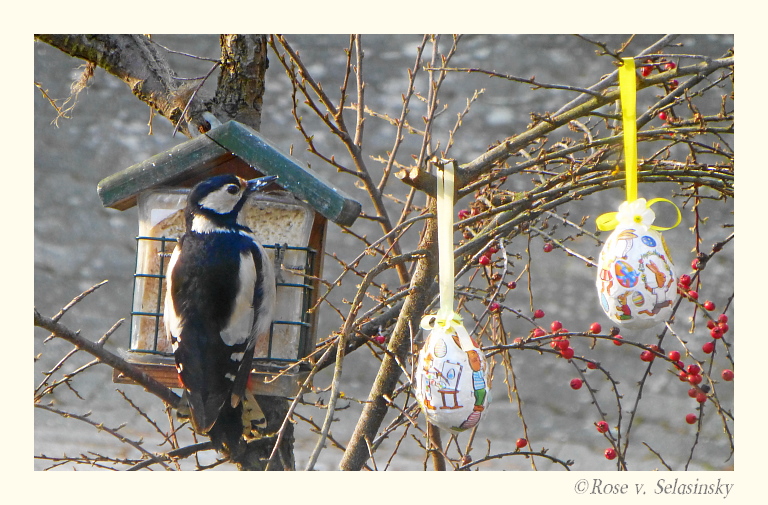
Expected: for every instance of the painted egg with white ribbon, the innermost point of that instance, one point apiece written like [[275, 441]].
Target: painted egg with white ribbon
[[451, 380], [636, 280]]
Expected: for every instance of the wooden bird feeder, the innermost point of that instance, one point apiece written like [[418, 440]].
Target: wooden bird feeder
[[290, 222]]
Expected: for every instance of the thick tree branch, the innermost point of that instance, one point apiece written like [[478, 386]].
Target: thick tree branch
[[108, 358], [426, 182], [136, 61]]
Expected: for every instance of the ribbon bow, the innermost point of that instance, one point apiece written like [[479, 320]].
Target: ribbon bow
[[637, 213]]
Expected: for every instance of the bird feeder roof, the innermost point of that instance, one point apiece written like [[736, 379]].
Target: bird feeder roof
[[230, 148]]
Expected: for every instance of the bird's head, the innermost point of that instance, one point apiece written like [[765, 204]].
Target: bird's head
[[221, 197]]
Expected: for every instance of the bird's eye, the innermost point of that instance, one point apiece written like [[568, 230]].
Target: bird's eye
[[232, 189]]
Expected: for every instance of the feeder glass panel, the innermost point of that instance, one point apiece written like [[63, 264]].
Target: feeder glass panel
[[279, 221]]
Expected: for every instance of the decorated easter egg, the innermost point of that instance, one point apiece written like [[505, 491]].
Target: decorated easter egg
[[636, 279], [451, 380]]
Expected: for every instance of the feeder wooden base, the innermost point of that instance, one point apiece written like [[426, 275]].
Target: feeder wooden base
[[267, 383]]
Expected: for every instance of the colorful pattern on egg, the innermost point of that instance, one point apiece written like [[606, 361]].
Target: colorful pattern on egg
[[636, 279], [452, 383]]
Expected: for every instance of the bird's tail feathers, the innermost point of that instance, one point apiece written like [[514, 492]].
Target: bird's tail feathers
[[227, 432], [203, 414]]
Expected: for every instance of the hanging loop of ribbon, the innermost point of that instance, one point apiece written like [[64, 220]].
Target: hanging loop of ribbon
[[445, 317], [634, 210]]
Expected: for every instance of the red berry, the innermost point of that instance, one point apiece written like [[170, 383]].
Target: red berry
[[521, 442], [674, 355], [682, 376], [602, 426], [663, 116], [646, 70], [493, 249], [511, 284], [538, 332], [685, 280], [647, 356], [563, 344], [693, 392], [567, 353], [548, 247], [494, 307], [592, 365], [693, 295], [464, 214], [711, 324], [595, 328], [673, 84], [610, 453], [723, 327], [556, 325], [709, 305], [691, 418], [538, 314], [694, 379], [708, 347], [695, 264], [484, 260], [693, 369], [722, 318], [576, 383], [727, 374], [670, 65], [617, 339], [380, 339], [701, 397], [716, 332]]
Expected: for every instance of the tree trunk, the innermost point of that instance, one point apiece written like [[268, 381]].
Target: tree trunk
[[357, 452], [240, 90]]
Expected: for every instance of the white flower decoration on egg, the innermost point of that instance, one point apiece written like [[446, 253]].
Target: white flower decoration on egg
[[636, 214]]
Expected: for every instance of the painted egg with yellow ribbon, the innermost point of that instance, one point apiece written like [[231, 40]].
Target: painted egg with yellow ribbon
[[636, 281], [451, 380]]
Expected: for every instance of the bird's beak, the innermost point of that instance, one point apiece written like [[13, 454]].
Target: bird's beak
[[259, 183]]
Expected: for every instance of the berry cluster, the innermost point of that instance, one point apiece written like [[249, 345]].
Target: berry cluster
[[648, 67], [560, 338]]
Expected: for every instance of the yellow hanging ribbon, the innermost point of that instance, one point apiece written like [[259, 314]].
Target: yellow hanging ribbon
[[628, 89], [446, 318], [628, 92]]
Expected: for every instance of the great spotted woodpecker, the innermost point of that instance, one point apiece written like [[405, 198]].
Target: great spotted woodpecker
[[220, 297]]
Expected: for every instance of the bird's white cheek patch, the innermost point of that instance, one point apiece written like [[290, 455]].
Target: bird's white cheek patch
[[220, 201], [237, 356], [230, 377]]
